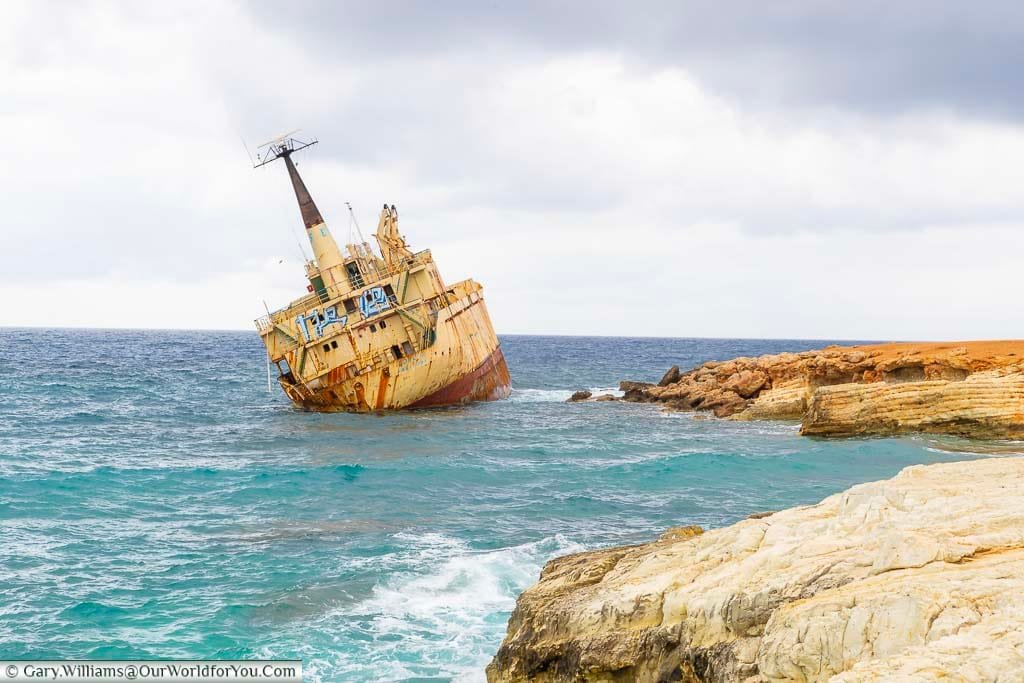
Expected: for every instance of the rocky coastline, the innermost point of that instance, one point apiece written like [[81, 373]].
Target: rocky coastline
[[920, 577], [973, 389]]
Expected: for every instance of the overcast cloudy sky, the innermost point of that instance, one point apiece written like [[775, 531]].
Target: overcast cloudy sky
[[787, 169]]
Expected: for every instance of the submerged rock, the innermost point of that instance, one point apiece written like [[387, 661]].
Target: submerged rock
[[920, 577], [584, 395]]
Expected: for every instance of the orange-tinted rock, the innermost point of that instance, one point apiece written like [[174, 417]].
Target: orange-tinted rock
[[670, 377], [746, 383], [787, 386]]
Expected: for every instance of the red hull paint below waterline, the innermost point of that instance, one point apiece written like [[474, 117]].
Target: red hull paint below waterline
[[489, 382]]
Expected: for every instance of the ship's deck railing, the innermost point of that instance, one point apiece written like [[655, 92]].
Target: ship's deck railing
[[394, 269], [266, 323]]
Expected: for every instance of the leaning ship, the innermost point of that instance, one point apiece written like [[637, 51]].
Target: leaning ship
[[378, 332]]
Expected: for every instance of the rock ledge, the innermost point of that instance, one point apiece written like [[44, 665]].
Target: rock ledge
[[920, 577], [971, 389]]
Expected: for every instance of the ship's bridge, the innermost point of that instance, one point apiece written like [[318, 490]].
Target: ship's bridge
[[367, 276]]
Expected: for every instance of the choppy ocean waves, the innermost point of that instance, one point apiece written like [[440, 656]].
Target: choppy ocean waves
[[157, 501], [439, 617]]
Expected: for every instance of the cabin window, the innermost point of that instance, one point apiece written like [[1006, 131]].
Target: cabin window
[[350, 306], [373, 328], [407, 347], [334, 343], [390, 292], [383, 324], [397, 351], [327, 347], [317, 285], [354, 276]]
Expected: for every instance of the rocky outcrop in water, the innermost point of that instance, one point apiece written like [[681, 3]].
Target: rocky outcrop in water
[[971, 389], [920, 577]]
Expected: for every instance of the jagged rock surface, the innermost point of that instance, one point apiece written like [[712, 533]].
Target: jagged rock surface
[[920, 577], [671, 376], [970, 388]]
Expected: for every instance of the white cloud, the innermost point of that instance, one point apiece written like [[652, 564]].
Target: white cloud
[[590, 193], [226, 300]]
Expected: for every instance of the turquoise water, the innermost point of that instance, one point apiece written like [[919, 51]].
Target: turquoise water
[[156, 501]]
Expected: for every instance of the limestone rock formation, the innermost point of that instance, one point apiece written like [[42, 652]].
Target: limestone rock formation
[[984, 404], [579, 396], [969, 388], [920, 577]]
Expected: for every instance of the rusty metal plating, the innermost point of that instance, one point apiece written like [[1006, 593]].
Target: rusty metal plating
[[380, 330]]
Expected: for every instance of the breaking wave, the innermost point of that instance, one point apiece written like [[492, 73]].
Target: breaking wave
[[555, 395], [450, 594]]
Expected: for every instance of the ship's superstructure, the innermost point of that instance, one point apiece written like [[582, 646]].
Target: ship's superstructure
[[379, 332]]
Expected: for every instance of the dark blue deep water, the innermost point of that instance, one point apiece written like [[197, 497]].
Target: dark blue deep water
[[157, 501]]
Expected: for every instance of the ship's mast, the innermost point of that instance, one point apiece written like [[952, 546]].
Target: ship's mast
[[325, 249]]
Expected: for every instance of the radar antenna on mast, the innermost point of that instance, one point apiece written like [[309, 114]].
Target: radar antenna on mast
[[281, 146]]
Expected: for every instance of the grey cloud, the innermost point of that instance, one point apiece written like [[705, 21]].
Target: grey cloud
[[419, 68], [870, 58], [876, 56]]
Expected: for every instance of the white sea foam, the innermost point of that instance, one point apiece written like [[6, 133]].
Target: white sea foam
[[614, 391], [456, 598], [539, 395], [555, 395]]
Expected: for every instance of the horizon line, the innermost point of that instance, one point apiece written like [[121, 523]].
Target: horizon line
[[501, 334]]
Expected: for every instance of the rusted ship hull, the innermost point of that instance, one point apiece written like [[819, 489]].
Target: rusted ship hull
[[489, 382], [465, 364], [378, 331]]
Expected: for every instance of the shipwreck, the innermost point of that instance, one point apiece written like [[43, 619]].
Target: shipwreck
[[378, 330]]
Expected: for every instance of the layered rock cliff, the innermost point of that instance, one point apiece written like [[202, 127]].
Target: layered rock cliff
[[920, 577], [971, 389]]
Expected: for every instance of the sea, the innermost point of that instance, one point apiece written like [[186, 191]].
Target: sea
[[158, 500]]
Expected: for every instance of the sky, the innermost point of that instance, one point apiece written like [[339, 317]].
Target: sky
[[816, 170]]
